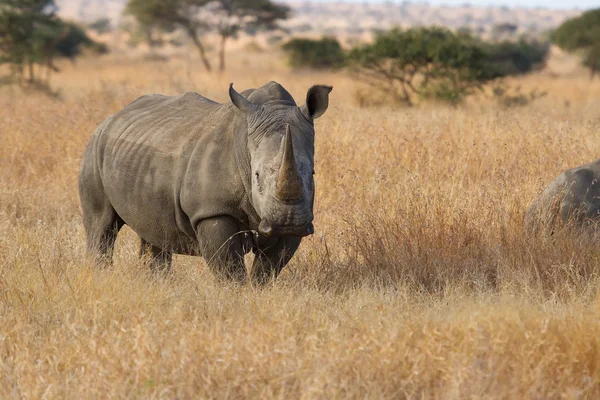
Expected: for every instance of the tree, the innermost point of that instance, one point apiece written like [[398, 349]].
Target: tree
[[425, 62], [31, 33], [24, 26], [226, 17], [166, 13], [581, 34], [435, 62], [231, 16]]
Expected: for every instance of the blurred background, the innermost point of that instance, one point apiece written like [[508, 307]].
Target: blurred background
[[412, 51]]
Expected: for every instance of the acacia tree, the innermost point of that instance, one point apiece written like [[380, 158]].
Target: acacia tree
[[231, 16], [582, 34], [226, 17], [24, 26], [165, 13], [425, 62], [31, 33], [435, 62]]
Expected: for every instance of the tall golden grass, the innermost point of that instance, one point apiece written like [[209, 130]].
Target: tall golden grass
[[419, 281]]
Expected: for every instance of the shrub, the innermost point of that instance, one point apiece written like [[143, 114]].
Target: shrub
[[510, 58], [437, 63], [581, 34], [319, 54], [508, 97], [73, 39], [100, 26], [425, 62]]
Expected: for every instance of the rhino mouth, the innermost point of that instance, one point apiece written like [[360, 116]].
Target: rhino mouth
[[268, 229]]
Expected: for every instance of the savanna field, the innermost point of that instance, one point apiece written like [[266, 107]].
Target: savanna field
[[419, 281]]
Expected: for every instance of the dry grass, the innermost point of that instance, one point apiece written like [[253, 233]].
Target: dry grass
[[418, 283]]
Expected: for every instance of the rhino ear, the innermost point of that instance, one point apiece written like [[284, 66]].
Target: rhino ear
[[317, 101], [240, 101]]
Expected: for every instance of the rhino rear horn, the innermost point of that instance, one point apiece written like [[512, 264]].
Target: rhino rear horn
[[240, 101]]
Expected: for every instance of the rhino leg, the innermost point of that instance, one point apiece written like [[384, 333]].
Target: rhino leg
[[269, 262], [222, 247], [160, 260], [101, 223]]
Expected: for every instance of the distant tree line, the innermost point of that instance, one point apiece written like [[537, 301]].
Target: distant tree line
[[194, 17], [428, 62], [32, 35]]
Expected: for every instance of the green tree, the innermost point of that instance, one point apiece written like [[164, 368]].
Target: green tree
[[24, 26], [435, 62], [31, 33], [323, 53], [226, 17], [231, 16], [581, 34], [165, 13], [424, 62]]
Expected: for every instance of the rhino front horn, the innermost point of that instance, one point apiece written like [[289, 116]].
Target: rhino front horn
[[289, 187]]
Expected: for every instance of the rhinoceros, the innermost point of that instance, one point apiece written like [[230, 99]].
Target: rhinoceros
[[192, 176], [572, 198]]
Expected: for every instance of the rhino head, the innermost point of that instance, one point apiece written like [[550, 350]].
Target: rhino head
[[280, 143]]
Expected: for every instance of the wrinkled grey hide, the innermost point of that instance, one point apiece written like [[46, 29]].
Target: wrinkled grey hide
[[573, 197], [192, 176]]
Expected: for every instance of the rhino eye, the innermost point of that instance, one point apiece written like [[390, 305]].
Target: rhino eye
[[314, 172], [256, 174]]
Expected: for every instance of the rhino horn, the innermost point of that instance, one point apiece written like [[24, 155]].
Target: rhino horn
[[240, 101], [289, 182]]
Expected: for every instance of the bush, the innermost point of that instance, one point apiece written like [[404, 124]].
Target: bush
[[437, 63], [508, 97], [100, 26], [510, 58], [424, 62], [581, 34], [592, 58], [73, 39], [319, 54]]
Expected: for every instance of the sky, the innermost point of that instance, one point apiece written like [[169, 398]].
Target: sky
[[560, 4]]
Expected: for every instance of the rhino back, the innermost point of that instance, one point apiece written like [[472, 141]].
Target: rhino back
[[154, 152], [583, 194], [574, 194]]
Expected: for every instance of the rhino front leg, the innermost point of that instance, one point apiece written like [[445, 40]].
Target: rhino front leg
[[222, 247], [269, 262], [160, 260]]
